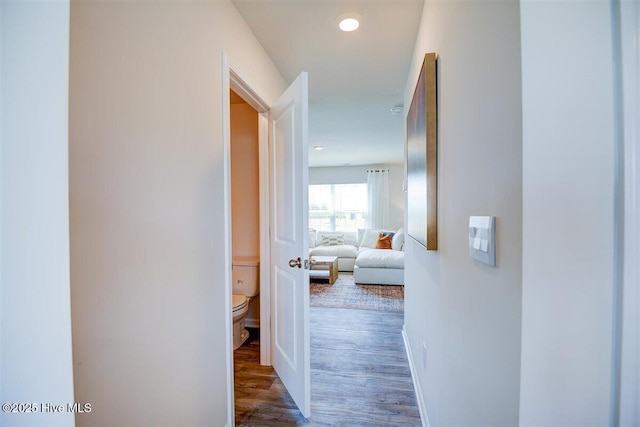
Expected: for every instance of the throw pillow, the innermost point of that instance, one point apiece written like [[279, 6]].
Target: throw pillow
[[333, 239], [370, 237], [397, 240], [384, 241]]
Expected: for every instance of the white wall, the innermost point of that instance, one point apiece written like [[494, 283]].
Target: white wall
[[568, 190], [466, 313], [147, 183], [35, 331], [358, 174]]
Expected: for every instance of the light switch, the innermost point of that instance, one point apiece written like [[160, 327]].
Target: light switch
[[482, 239], [484, 245]]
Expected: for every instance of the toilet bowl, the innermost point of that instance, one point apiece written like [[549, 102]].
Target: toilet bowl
[[246, 286], [240, 309]]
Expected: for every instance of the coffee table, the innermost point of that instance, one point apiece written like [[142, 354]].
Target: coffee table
[[330, 273]]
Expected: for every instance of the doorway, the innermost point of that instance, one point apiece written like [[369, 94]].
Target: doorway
[[245, 193], [282, 130], [246, 107], [284, 242]]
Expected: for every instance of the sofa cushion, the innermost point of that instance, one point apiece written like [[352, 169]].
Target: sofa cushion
[[380, 258], [341, 251], [378, 276]]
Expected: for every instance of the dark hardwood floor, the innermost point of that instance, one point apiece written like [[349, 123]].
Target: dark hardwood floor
[[359, 375]]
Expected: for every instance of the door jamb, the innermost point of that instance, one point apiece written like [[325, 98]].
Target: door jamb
[[234, 78], [626, 22]]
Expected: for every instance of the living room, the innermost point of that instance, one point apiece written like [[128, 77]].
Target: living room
[[350, 208]]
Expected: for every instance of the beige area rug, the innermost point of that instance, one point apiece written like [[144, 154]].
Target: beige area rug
[[344, 293]]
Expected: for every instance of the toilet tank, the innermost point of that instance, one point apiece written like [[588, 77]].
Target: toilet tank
[[245, 276]]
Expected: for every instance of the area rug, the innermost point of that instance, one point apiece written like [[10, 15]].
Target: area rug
[[344, 293]]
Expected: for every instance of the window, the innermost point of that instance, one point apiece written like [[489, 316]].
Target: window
[[337, 207]]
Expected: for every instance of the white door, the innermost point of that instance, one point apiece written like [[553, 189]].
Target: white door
[[290, 242]]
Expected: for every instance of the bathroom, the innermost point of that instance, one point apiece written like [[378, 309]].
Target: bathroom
[[245, 218]]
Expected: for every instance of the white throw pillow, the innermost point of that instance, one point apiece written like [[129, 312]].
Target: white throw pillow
[[331, 239], [398, 240]]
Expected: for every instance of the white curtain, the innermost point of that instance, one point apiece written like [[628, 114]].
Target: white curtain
[[378, 193]]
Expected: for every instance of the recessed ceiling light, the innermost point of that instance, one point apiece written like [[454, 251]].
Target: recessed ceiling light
[[318, 147], [397, 110], [349, 21]]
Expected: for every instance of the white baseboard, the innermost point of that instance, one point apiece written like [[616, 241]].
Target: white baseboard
[[416, 385]]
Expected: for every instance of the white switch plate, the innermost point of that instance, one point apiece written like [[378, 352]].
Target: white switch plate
[[482, 239]]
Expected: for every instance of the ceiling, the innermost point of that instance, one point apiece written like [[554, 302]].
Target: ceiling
[[354, 78]]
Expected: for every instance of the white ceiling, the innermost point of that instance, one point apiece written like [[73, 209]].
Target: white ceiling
[[354, 78]]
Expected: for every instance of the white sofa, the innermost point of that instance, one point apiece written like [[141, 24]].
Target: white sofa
[[380, 266], [356, 252]]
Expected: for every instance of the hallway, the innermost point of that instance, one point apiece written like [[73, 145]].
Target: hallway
[[359, 375]]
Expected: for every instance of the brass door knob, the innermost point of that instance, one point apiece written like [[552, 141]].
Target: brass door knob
[[295, 263]]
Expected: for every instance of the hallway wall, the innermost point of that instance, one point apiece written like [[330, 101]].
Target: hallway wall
[[147, 180], [467, 314]]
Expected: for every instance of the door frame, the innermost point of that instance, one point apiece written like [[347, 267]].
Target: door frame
[[233, 77], [626, 380]]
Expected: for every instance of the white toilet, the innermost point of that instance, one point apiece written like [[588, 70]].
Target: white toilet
[[246, 285]]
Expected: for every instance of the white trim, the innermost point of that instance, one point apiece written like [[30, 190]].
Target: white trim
[[414, 377], [233, 77], [629, 90], [618, 213], [226, 142], [265, 254], [249, 91]]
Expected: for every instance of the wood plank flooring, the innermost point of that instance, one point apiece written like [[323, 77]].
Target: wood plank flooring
[[359, 375]]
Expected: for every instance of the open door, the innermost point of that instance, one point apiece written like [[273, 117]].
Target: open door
[[290, 242]]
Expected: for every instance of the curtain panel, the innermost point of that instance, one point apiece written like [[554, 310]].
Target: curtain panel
[[378, 198]]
